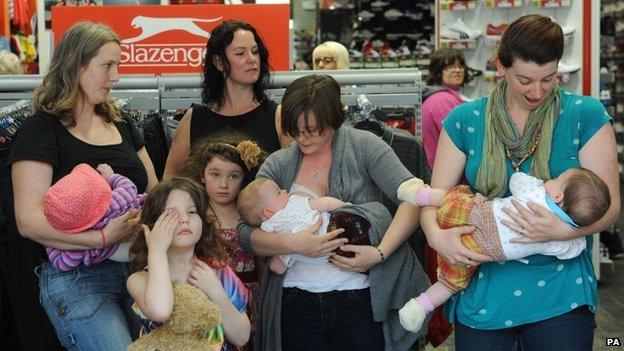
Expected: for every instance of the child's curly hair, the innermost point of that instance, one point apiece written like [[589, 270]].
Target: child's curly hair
[[233, 147], [210, 245]]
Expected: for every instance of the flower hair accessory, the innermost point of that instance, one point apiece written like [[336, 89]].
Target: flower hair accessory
[[249, 152]]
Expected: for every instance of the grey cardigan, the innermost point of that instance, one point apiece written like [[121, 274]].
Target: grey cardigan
[[363, 167]]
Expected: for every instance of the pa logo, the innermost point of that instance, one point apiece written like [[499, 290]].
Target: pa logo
[[613, 342]]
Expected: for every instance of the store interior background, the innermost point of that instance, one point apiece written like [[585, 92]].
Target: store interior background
[[402, 34]]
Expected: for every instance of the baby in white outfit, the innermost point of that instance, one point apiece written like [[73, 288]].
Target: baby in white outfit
[[263, 203]]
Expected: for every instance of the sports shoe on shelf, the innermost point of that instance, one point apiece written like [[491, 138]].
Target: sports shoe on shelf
[[387, 51], [496, 30], [563, 68], [393, 14], [379, 3], [423, 48], [403, 49], [447, 33], [365, 15], [567, 30], [460, 27], [368, 50]]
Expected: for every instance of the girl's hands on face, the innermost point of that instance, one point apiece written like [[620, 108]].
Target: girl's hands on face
[[536, 223], [159, 238], [204, 278]]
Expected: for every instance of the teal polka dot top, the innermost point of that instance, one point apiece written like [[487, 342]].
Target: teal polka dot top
[[507, 294]]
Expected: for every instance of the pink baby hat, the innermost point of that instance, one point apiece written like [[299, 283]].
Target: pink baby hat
[[78, 200]]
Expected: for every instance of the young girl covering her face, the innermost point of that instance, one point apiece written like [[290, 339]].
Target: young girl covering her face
[[180, 243], [225, 165]]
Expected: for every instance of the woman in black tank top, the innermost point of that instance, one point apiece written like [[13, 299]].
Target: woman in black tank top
[[236, 76]]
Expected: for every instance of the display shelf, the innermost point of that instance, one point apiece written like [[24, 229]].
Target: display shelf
[[491, 77], [459, 44], [492, 40], [457, 5], [503, 3], [550, 3], [489, 13]]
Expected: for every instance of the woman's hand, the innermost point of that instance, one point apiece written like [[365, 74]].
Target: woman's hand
[[448, 244], [121, 227], [536, 223], [205, 279], [310, 244], [366, 256], [159, 238]]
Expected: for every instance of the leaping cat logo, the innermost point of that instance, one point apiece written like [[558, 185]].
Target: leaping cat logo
[[151, 26]]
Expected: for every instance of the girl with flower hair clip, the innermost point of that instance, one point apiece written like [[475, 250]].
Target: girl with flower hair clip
[[225, 165]]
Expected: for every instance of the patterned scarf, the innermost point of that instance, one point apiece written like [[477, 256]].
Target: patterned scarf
[[501, 134]]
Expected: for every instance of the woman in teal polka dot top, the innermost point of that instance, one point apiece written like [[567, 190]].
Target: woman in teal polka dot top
[[526, 124]]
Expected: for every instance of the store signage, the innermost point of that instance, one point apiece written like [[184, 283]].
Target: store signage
[[172, 39]]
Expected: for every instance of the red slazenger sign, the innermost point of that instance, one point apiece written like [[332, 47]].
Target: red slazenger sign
[[172, 39]]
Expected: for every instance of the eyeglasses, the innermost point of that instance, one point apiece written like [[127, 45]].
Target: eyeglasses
[[456, 66], [308, 133], [326, 60]]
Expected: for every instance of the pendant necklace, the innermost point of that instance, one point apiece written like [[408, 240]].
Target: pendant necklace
[[316, 173], [516, 165]]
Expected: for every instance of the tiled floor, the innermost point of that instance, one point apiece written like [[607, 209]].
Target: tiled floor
[[610, 315]]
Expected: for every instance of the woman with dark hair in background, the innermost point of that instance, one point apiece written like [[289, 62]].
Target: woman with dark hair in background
[[234, 98], [526, 124], [447, 73]]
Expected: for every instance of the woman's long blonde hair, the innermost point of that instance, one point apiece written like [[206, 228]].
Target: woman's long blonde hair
[[59, 93]]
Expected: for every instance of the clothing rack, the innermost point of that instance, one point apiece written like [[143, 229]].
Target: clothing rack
[[384, 87]]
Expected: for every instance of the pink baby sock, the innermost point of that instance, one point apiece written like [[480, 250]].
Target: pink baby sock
[[423, 196], [425, 302]]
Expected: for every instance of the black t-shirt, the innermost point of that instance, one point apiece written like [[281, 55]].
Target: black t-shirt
[[43, 138], [258, 124]]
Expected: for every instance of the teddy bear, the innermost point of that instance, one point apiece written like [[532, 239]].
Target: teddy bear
[[193, 317]]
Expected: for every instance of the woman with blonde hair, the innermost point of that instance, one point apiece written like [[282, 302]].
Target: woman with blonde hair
[[76, 122], [10, 63], [330, 55]]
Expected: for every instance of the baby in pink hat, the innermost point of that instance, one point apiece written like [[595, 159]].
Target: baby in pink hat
[[86, 199]]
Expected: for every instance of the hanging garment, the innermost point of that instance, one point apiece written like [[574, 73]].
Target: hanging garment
[[19, 286]]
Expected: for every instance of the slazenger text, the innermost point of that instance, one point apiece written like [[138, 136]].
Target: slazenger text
[[162, 54]]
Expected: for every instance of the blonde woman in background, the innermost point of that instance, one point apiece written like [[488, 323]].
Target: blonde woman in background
[[330, 55], [10, 63]]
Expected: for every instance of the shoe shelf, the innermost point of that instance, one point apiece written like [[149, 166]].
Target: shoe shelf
[[492, 41], [612, 70], [491, 77], [459, 44], [503, 3], [550, 3], [457, 5]]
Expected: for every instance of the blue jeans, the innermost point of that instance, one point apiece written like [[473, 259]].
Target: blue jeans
[[89, 307], [572, 331], [335, 320]]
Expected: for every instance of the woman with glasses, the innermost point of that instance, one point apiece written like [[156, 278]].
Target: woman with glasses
[[330, 55], [335, 302], [234, 98], [447, 74]]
